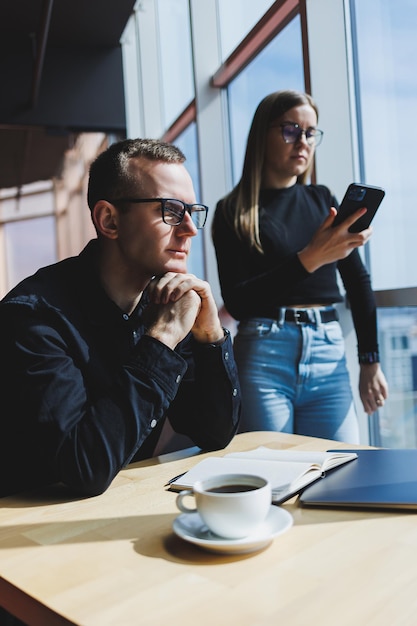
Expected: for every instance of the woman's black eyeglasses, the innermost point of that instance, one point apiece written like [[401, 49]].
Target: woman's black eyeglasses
[[173, 210], [291, 133]]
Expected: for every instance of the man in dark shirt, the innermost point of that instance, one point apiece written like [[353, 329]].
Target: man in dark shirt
[[97, 351]]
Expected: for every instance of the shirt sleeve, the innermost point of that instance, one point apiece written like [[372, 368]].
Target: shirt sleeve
[[208, 395], [361, 299]]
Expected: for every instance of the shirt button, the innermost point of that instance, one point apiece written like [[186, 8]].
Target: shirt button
[[153, 423], [178, 379], [226, 356], [125, 316], [235, 392]]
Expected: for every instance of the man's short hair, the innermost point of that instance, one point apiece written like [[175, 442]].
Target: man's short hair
[[109, 173]]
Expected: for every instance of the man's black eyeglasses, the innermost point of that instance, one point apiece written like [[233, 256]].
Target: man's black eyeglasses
[[291, 133], [173, 210]]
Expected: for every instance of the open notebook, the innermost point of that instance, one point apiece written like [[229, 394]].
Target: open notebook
[[288, 471]]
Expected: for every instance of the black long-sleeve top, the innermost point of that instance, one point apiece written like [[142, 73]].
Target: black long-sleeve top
[[85, 391], [257, 285]]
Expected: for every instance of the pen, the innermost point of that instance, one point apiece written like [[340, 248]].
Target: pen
[[172, 480]]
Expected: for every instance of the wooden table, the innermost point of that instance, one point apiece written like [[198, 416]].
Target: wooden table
[[114, 560]]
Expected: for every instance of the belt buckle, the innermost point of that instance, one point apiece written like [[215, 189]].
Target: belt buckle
[[297, 317]]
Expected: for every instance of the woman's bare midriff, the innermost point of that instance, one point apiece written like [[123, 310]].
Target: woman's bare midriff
[[306, 306]]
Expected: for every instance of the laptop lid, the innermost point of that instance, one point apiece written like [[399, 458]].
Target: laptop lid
[[380, 478]]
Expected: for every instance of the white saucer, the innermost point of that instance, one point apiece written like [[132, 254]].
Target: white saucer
[[190, 526]]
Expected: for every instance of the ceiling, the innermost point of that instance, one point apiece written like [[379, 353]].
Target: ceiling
[[60, 74]]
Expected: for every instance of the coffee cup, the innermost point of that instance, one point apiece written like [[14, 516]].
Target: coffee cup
[[231, 505]]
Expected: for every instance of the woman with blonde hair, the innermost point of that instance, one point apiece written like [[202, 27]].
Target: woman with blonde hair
[[278, 258]]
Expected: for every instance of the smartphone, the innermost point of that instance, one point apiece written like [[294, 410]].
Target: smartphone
[[356, 197]]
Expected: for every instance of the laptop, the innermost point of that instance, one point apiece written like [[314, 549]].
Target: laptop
[[380, 478]]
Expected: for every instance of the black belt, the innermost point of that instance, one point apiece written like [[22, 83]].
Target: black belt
[[311, 316]]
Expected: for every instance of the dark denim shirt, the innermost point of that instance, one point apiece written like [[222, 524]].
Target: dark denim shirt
[[85, 391]]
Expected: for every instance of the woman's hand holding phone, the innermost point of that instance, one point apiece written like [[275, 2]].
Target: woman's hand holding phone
[[329, 244]]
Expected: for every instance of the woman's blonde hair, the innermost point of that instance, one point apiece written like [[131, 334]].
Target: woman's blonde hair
[[243, 200]]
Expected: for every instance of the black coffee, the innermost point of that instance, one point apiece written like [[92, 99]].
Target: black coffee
[[232, 488]]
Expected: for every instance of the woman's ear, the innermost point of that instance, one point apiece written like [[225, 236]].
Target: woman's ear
[[105, 219]]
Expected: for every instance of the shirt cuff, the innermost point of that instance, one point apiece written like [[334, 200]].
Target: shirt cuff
[[220, 342], [367, 358]]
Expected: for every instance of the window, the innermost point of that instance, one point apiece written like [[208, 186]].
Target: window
[[207, 80], [187, 142], [236, 18], [398, 343], [387, 135], [386, 52], [176, 57], [278, 66], [30, 244]]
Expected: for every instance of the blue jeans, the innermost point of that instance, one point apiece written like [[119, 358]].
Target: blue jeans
[[294, 379]]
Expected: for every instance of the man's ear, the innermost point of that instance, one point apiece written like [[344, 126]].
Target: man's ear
[[105, 218]]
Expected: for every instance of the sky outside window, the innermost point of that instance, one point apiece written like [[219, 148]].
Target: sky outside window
[[388, 99], [176, 57], [278, 66], [236, 20]]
